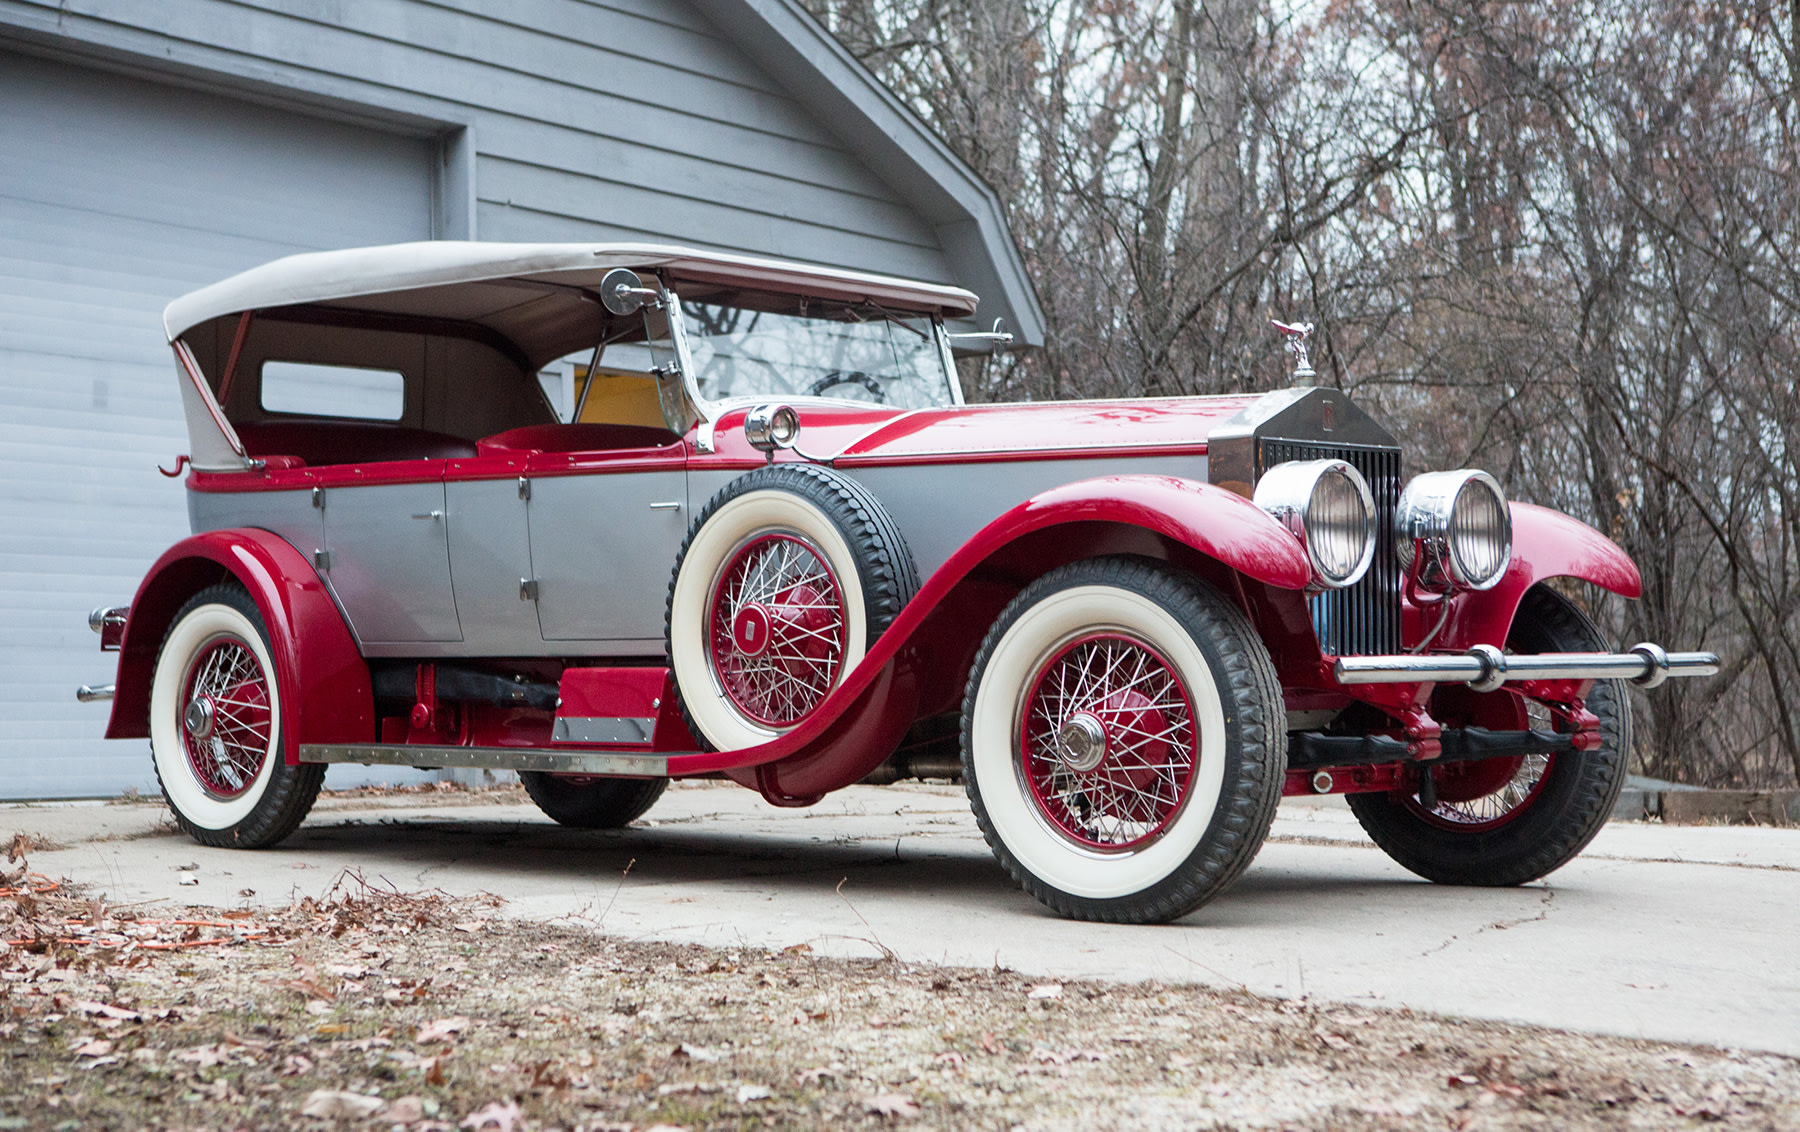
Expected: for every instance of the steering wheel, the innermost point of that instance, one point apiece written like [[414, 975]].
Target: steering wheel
[[848, 377]]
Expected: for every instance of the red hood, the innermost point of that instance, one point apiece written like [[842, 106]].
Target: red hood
[[860, 437]]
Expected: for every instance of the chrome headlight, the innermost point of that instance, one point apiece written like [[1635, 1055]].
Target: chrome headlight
[[1461, 522], [1327, 504]]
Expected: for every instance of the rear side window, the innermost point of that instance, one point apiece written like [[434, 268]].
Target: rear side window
[[333, 391]]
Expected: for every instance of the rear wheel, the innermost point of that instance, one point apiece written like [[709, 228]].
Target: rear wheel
[[1122, 746], [1510, 820], [591, 802], [216, 727]]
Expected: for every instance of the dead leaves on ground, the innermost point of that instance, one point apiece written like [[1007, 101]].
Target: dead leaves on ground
[[39, 916], [896, 1105], [441, 1029]]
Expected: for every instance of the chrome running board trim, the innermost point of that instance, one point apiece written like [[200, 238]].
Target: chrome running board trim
[[489, 758]]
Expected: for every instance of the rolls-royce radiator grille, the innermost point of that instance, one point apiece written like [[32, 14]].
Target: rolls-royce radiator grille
[[1364, 619]]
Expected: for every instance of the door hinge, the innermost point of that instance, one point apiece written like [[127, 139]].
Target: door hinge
[[318, 499], [321, 559], [528, 589], [524, 488]]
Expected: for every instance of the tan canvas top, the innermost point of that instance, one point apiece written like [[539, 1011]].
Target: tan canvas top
[[421, 279]]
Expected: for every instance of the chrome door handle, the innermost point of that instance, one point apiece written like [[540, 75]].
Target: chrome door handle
[[669, 506], [429, 515]]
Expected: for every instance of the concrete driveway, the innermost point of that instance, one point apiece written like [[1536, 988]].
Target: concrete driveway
[[1676, 933]]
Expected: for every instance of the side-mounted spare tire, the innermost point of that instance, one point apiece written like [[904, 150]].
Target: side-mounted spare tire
[[786, 577]]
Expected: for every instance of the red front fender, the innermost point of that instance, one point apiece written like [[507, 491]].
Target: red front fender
[[1546, 544], [317, 667], [1218, 523]]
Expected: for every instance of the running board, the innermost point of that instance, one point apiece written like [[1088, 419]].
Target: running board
[[426, 757]]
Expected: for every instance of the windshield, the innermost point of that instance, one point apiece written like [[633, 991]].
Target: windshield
[[856, 354]]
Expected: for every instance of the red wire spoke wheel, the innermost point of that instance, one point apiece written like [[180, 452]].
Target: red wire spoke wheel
[[1123, 740], [788, 575], [216, 726], [226, 726], [1511, 819], [777, 632], [1108, 742], [1479, 796]]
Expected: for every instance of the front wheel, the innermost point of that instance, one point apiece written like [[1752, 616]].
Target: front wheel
[[216, 727], [1506, 821], [1123, 746]]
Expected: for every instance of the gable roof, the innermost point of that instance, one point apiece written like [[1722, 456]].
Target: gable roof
[[901, 149]]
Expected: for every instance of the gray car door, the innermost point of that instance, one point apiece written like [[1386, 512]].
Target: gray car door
[[604, 534], [389, 560], [490, 557]]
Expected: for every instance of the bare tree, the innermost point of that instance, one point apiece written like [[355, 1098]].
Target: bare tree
[[1554, 241]]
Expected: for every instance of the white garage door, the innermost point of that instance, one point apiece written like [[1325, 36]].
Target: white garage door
[[116, 195]]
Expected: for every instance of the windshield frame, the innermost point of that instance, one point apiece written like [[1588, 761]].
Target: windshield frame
[[709, 409]]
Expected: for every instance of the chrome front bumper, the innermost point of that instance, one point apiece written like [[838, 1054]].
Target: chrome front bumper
[[1485, 668]]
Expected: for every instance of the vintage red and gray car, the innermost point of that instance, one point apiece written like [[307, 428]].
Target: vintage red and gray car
[[750, 529]]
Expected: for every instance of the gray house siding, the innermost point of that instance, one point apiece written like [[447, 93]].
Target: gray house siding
[[149, 148], [588, 120], [117, 194]]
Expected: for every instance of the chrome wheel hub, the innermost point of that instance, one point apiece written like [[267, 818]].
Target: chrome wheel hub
[[1081, 742], [198, 718]]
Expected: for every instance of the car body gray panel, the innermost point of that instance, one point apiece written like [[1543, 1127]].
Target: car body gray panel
[[603, 555], [490, 554], [290, 514], [390, 561], [940, 507]]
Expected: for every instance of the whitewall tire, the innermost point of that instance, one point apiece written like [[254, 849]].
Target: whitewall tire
[[787, 576], [216, 725], [1123, 741]]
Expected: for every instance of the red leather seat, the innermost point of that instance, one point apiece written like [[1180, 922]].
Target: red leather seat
[[349, 442]]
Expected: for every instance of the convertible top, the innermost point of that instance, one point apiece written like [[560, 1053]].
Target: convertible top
[[420, 279]]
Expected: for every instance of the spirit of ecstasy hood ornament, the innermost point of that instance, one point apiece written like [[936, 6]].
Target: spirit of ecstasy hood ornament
[[1296, 335]]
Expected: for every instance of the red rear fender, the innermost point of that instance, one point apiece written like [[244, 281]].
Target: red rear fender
[[318, 668]]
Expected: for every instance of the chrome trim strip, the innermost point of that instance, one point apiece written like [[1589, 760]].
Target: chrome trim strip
[[603, 729], [1485, 668], [949, 360], [491, 758], [94, 693]]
